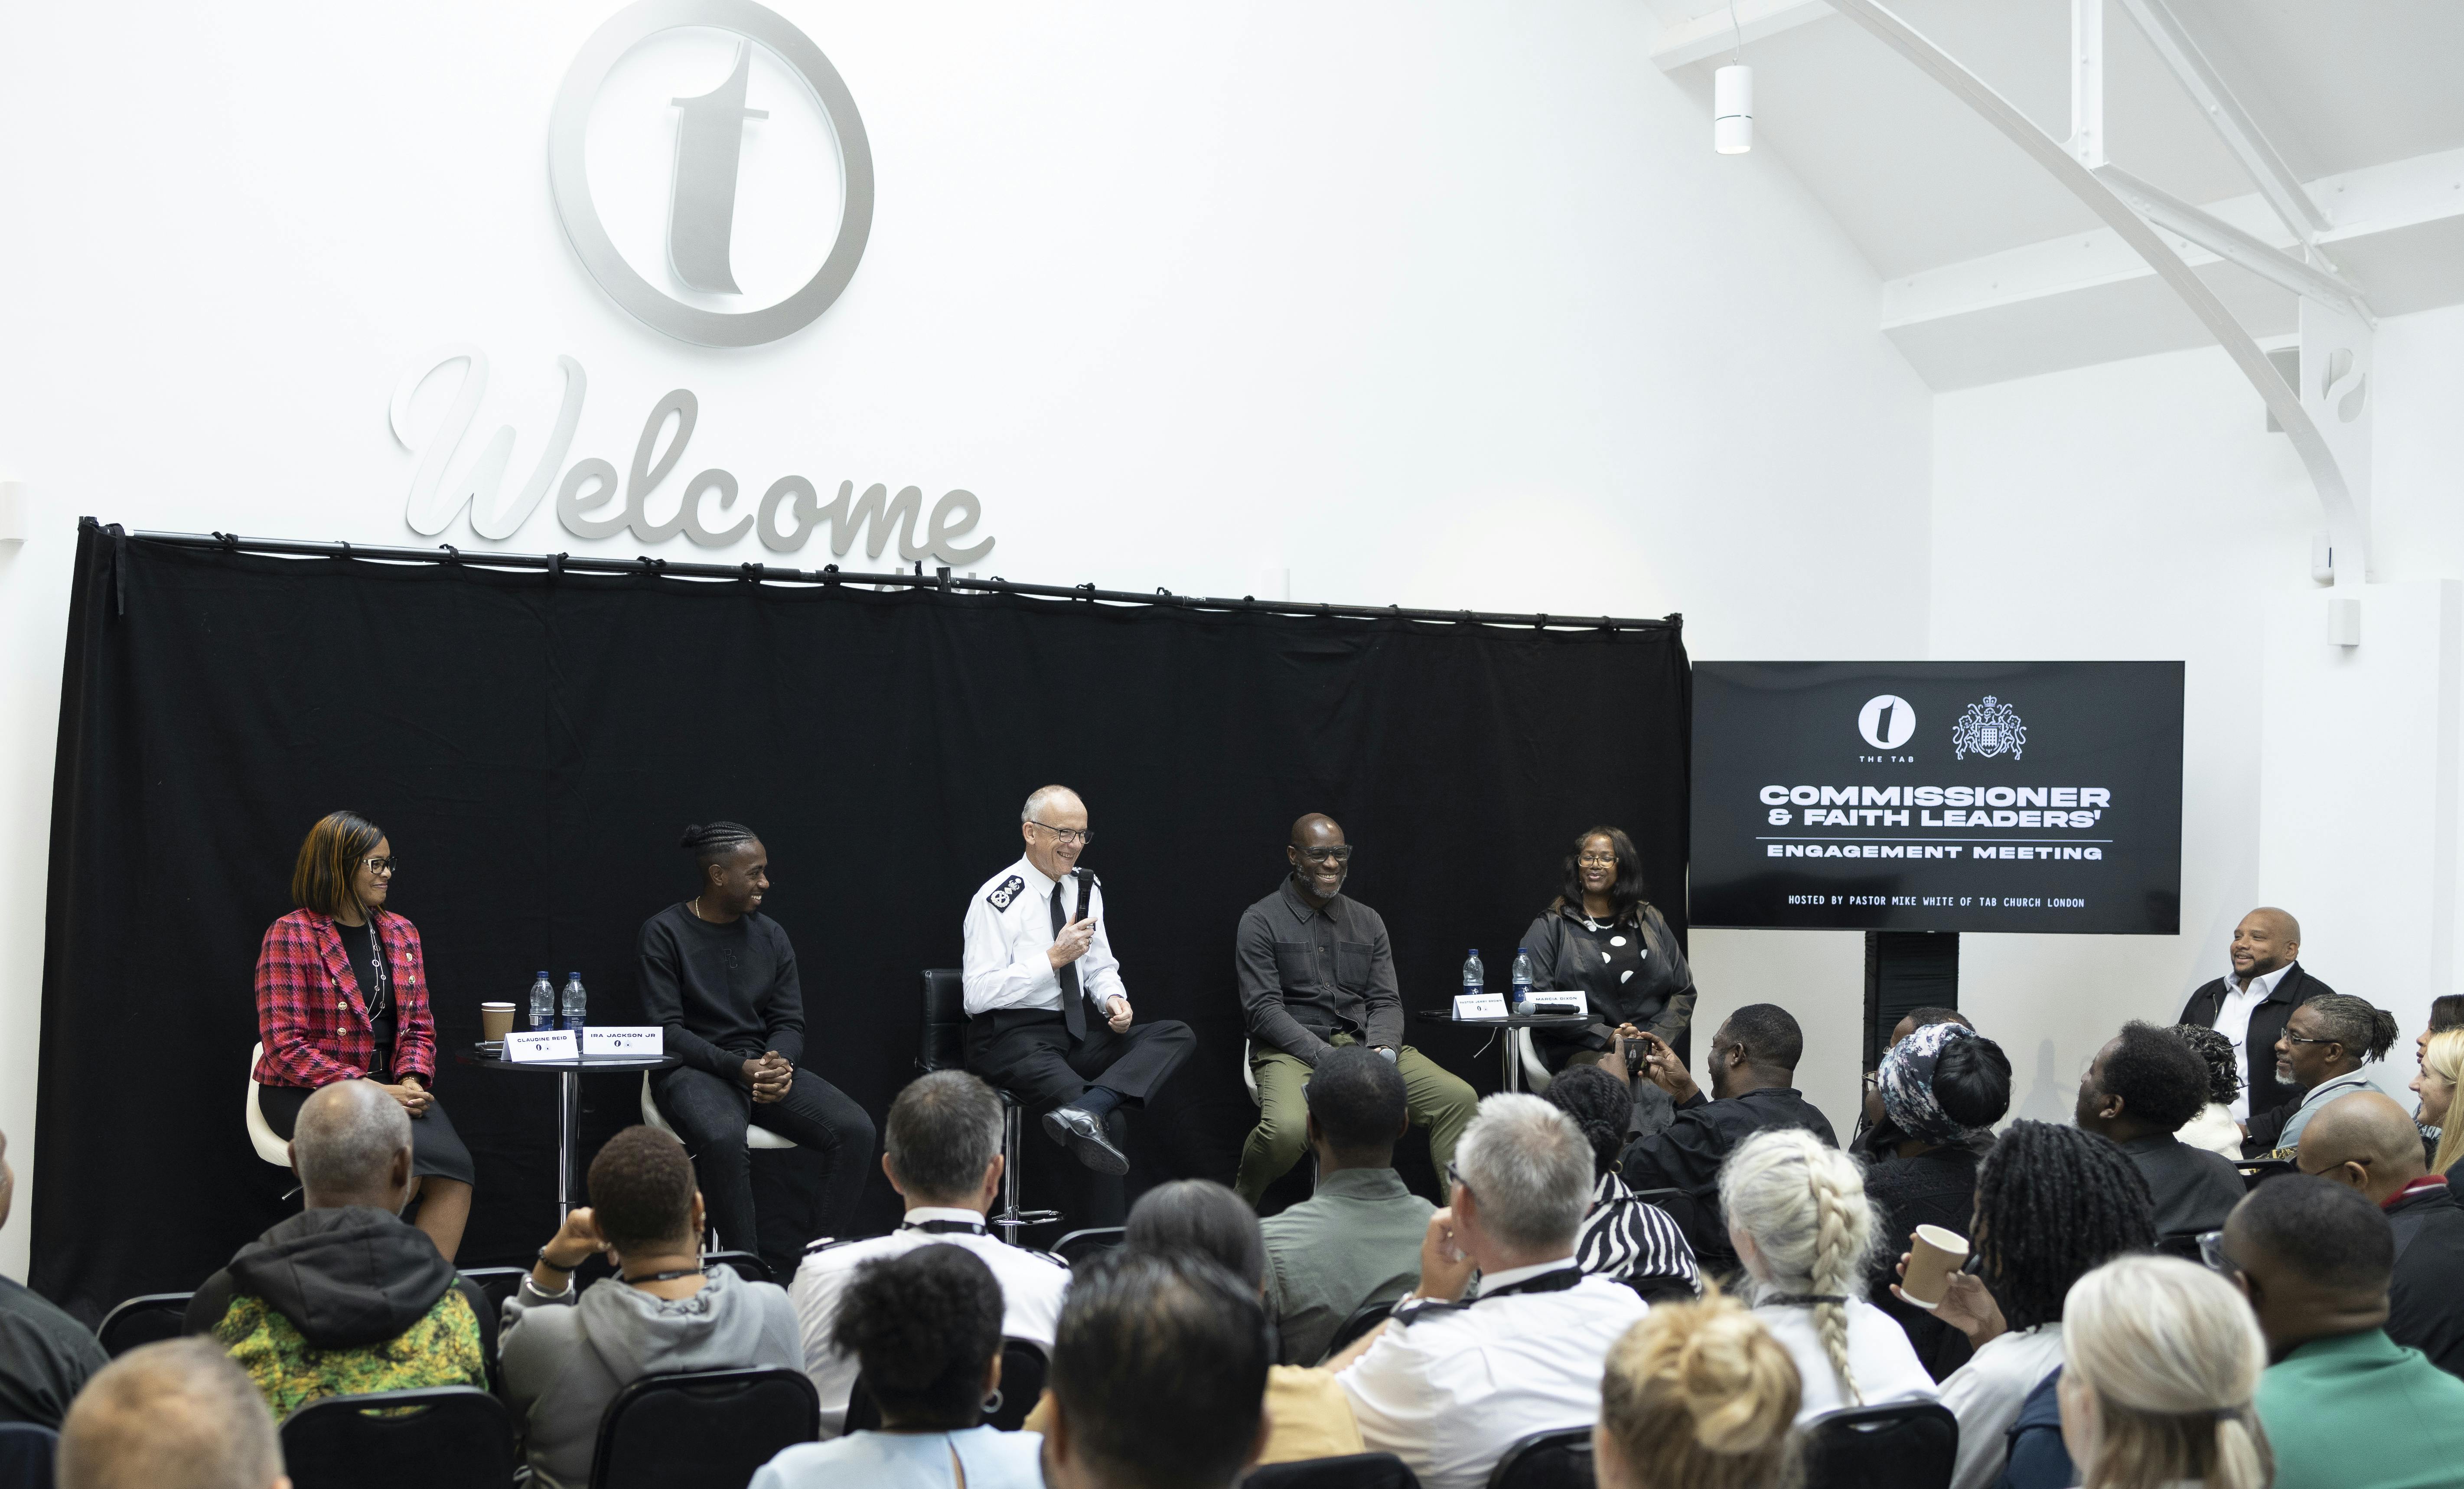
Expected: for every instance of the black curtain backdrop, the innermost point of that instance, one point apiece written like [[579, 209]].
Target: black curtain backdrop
[[533, 743]]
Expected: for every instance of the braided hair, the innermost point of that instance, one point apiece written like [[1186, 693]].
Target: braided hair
[[1601, 1104], [2355, 1023], [2052, 1204], [1803, 1203], [2224, 1065], [712, 842]]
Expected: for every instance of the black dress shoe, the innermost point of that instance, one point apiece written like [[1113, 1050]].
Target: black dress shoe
[[1083, 1133]]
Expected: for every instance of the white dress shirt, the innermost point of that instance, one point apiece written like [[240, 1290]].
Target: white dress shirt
[[2232, 1021], [1988, 1392], [1008, 932], [1449, 1387], [1879, 1357], [1032, 1285]]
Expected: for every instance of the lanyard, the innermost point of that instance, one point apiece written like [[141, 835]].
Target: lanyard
[[945, 1227]]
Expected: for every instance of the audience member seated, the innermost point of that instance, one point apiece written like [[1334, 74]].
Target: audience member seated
[[2139, 1091], [2346, 1406], [1356, 1240], [174, 1416], [1942, 1088], [2320, 1054], [2440, 1085], [2364, 1142], [1449, 1386], [2216, 1129], [1754, 1071], [926, 1326], [2161, 1362], [2052, 1204], [1802, 1226], [1876, 1137], [45, 1355], [565, 1357], [1625, 1239], [1696, 1396], [343, 1297], [1158, 1376], [942, 1155]]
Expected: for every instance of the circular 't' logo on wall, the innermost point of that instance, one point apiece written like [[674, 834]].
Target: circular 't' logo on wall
[[1886, 721], [708, 153]]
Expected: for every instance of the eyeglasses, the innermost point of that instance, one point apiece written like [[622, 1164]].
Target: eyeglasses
[[1454, 1176], [1603, 861], [2212, 1251], [1067, 834], [2290, 1037], [1338, 855], [382, 866]]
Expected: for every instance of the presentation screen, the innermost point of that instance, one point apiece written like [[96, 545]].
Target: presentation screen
[[1944, 796]]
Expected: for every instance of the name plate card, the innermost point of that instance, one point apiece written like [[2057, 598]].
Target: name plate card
[[621, 1042], [1480, 1004], [545, 1044]]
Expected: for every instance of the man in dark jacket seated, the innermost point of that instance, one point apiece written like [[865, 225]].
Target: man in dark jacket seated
[[1753, 1074], [2141, 1088], [2367, 1142], [344, 1298]]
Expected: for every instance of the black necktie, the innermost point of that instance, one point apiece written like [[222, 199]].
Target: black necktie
[[1073, 1012]]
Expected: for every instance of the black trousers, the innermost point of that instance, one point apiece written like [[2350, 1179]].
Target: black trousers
[[1029, 1052], [436, 1149], [710, 1114]]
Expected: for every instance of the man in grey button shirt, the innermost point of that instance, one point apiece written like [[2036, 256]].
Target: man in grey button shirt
[[1357, 1239], [1316, 973]]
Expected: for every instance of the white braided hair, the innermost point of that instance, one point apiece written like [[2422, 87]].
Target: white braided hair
[[1802, 1202]]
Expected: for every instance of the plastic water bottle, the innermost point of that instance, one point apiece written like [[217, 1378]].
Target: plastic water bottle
[[1523, 972], [1475, 975], [575, 1003], [542, 1003]]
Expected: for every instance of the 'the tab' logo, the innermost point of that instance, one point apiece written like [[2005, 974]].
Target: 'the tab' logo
[[1886, 721], [710, 134]]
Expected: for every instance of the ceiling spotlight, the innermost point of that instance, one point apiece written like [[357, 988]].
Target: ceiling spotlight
[[1732, 109]]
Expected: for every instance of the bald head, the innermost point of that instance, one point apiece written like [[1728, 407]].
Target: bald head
[[352, 1147], [1319, 858], [2363, 1141], [174, 1415], [2266, 939]]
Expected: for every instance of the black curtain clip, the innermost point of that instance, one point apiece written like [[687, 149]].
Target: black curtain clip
[[452, 554], [555, 564]]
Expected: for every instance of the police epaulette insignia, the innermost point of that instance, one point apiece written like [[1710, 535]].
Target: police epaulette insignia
[[1005, 891]]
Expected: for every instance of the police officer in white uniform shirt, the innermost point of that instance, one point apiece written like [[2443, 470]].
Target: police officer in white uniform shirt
[[1047, 1018], [1447, 1386], [943, 1156]]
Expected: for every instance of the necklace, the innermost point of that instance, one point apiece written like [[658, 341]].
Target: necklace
[[663, 1277]]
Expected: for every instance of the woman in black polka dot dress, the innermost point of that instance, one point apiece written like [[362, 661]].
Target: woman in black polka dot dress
[[1601, 935]]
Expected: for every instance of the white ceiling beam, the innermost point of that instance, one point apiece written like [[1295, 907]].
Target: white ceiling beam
[[1713, 35], [2225, 114], [2233, 245], [2344, 506]]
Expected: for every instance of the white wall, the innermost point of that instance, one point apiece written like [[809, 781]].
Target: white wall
[[1440, 304], [2139, 510]]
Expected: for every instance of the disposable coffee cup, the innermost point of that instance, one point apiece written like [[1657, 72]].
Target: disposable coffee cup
[[1933, 1255], [495, 1021]]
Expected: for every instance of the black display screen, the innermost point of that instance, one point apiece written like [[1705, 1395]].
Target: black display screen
[[1951, 796]]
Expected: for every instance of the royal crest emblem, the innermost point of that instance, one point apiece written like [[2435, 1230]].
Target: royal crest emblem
[[1989, 728]]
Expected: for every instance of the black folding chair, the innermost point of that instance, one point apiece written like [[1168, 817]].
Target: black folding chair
[[26, 1453], [746, 1264], [144, 1320], [1351, 1471], [498, 1283], [1366, 1317], [2184, 1244], [1079, 1245], [1912, 1445], [1560, 1459], [703, 1428], [1024, 1367], [399, 1439]]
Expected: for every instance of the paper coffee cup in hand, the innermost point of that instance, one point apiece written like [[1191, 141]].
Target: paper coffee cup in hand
[[1934, 1254]]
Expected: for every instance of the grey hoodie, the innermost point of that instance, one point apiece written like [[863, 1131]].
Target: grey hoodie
[[562, 1361]]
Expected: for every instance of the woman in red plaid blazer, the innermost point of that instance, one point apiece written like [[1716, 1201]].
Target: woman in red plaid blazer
[[342, 994]]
